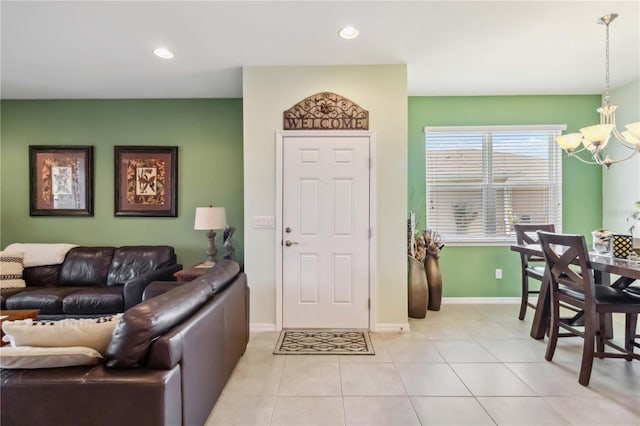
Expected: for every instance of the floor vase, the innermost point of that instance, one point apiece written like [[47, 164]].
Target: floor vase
[[418, 290], [434, 282]]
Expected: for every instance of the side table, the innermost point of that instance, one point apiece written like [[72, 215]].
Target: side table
[[190, 274]]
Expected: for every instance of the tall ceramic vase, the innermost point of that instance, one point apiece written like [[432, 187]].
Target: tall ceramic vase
[[417, 287], [434, 282]]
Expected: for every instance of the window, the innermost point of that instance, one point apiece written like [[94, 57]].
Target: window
[[482, 180]]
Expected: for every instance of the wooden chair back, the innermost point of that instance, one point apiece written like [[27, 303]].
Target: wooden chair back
[[527, 234], [567, 258]]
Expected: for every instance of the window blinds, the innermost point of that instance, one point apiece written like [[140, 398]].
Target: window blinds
[[482, 180]]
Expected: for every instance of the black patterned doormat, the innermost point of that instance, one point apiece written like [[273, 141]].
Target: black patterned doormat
[[324, 342]]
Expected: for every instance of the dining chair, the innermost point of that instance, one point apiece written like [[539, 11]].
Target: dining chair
[[631, 334], [571, 279], [532, 266]]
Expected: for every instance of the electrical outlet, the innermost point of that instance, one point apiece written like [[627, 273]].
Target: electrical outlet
[[498, 274]]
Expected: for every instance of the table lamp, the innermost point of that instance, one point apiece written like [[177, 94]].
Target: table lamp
[[210, 219]]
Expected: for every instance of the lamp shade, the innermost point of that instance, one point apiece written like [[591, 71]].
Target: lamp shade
[[210, 218], [569, 141], [629, 138], [634, 129], [596, 137]]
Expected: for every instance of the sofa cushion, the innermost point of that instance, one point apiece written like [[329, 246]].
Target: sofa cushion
[[94, 300], [6, 293], [38, 357], [11, 269], [42, 276], [131, 261], [47, 299], [141, 324], [90, 332], [86, 266]]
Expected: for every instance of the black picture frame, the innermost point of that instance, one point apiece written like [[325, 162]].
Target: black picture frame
[[60, 180], [146, 181]]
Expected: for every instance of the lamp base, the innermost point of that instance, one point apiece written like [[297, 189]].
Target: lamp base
[[211, 251]]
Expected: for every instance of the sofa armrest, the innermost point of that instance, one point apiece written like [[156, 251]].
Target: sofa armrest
[[156, 288], [95, 395], [134, 288]]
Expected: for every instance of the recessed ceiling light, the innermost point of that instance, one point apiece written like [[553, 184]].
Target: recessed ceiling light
[[164, 53], [349, 32]]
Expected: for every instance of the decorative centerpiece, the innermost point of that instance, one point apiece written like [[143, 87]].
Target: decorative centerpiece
[[622, 245], [602, 239]]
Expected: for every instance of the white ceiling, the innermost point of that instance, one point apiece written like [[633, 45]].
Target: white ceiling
[[85, 49]]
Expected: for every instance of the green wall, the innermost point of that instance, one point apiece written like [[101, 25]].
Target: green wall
[[581, 188], [208, 133]]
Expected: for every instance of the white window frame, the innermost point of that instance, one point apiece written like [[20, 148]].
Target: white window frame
[[555, 158]]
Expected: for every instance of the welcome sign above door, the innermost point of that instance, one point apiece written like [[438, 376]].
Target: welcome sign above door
[[326, 111]]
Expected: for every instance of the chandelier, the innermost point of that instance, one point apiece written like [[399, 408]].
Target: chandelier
[[595, 138]]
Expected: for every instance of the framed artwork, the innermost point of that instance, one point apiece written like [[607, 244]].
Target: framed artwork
[[60, 180], [146, 181]]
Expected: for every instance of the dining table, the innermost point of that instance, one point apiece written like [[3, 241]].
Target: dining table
[[603, 265]]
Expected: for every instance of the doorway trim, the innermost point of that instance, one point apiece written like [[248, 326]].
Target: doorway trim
[[280, 136]]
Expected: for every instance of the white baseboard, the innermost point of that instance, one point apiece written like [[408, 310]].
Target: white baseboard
[[260, 327], [404, 327], [392, 328], [382, 327], [480, 300]]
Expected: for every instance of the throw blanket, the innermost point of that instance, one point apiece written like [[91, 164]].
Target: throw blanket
[[41, 254]]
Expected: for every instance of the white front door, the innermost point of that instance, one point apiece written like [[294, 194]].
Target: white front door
[[325, 231]]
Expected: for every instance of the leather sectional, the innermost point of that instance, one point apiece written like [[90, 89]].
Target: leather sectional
[[92, 281], [168, 361]]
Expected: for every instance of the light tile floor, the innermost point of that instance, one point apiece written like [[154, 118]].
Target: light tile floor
[[462, 365]]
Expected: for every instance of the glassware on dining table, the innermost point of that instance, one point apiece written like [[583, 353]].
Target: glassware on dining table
[[602, 239]]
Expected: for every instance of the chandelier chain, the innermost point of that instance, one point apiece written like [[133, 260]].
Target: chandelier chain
[[606, 93]]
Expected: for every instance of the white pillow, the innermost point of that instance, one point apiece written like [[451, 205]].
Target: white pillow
[[34, 357], [90, 332], [11, 267]]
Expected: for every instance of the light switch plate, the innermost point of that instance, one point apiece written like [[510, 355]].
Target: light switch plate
[[264, 222]]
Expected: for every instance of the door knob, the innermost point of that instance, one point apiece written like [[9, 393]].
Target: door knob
[[290, 243]]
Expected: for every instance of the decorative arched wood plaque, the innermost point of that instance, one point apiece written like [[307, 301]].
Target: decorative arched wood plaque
[[326, 111]]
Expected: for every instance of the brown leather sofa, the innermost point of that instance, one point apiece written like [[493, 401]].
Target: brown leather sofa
[[92, 281], [168, 361]]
